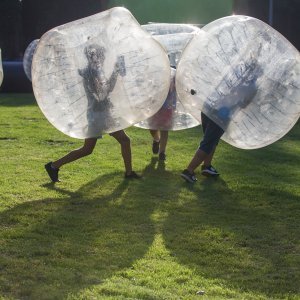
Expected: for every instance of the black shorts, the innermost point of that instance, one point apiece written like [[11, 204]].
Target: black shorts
[[212, 134]]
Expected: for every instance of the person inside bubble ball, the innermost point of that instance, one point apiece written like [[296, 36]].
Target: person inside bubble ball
[[241, 90], [163, 119], [97, 88], [205, 153], [123, 139]]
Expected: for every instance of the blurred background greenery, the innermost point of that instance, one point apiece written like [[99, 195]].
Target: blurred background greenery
[[22, 21], [176, 11]]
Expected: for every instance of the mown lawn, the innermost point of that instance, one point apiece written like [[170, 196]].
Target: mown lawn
[[98, 236]]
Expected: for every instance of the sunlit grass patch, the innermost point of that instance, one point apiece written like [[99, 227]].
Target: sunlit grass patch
[[98, 236]]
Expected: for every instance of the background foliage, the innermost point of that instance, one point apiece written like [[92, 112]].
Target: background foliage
[[22, 21]]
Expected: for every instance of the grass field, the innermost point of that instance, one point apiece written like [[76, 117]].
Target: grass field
[[98, 236]]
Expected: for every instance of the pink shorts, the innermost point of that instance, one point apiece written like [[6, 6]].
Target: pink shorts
[[162, 119]]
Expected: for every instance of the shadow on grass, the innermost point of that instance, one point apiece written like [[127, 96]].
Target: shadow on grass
[[12, 99], [54, 247], [247, 238]]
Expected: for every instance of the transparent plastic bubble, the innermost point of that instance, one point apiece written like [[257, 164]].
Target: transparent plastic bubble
[[27, 59], [99, 74], [1, 69], [173, 37], [245, 76], [172, 115], [169, 28]]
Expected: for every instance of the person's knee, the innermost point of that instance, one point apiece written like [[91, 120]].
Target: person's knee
[[205, 148], [122, 138], [86, 151]]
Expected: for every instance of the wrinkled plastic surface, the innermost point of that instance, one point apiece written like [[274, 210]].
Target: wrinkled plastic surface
[[172, 115], [28, 56], [173, 37], [99, 74], [245, 76], [1, 69], [169, 28]]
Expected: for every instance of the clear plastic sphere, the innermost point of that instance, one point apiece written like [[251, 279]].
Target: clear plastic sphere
[[1, 69], [245, 76], [173, 37], [27, 58], [169, 28], [99, 74], [172, 115]]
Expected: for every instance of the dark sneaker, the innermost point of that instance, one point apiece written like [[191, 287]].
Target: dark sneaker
[[52, 172], [155, 147], [162, 156], [190, 177], [209, 171], [132, 175]]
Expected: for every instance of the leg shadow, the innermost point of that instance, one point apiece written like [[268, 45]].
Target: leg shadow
[[52, 247]]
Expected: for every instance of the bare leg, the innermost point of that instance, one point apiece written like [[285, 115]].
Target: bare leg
[[207, 161], [86, 149], [163, 140], [124, 141], [196, 161], [155, 135]]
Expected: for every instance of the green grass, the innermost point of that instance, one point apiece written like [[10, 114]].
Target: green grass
[[97, 236]]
